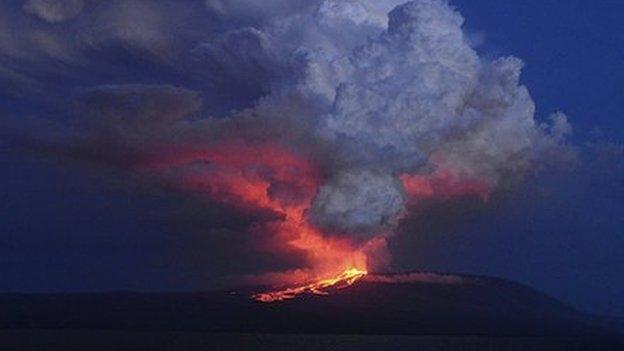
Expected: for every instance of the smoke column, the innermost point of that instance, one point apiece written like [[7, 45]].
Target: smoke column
[[352, 111]]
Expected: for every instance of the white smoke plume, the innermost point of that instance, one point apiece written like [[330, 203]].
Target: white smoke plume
[[369, 91], [387, 97]]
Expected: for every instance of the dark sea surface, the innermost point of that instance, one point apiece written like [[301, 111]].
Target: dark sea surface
[[68, 340]]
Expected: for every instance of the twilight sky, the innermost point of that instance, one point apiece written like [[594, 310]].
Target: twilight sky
[[89, 91]]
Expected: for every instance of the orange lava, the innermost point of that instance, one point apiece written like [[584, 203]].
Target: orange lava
[[320, 287]]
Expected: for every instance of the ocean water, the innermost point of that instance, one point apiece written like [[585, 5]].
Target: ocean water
[[68, 340]]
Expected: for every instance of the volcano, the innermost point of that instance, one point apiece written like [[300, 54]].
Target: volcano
[[406, 304]]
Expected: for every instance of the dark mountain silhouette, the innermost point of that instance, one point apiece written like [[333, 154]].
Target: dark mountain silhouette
[[464, 306]]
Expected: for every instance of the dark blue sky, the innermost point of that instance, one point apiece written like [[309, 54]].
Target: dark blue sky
[[65, 227]]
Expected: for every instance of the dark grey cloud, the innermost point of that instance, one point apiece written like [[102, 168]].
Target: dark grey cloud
[[136, 111], [107, 42]]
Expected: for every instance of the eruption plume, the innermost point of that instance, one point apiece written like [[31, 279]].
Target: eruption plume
[[348, 113]]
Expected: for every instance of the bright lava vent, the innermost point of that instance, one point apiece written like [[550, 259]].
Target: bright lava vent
[[343, 280]]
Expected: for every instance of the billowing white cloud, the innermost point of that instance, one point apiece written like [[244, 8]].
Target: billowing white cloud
[[407, 95], [359, 201]]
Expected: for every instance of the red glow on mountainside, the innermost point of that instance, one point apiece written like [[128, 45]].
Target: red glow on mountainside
[[320, 287]]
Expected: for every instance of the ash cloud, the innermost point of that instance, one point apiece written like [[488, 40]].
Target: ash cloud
[[369, 91]]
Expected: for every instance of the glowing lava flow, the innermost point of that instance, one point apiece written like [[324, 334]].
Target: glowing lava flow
[[346, 278]]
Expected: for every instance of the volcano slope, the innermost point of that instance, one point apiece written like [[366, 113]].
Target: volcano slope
[[379, 304]]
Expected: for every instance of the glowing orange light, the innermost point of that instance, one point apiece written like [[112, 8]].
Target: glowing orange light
[[246, 175], [271, 176], [343, 280]]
